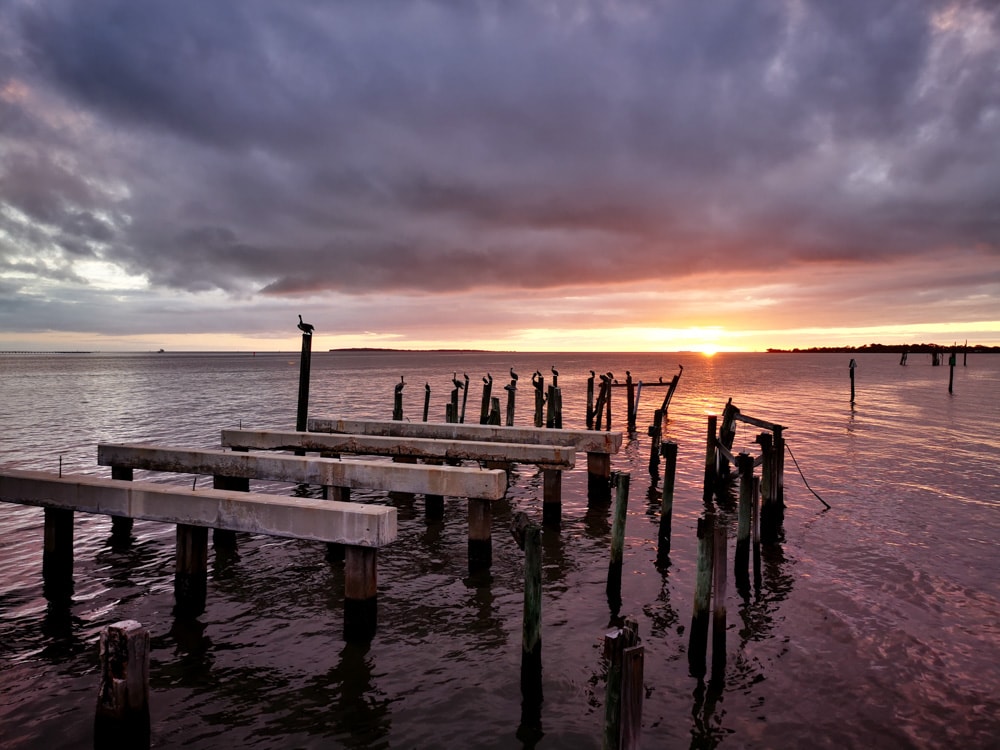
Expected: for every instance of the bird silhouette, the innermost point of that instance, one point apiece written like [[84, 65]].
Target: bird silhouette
[[513, 375], [307, 328]]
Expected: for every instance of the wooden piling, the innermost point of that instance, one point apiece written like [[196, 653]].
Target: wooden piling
[[711, 460], [719, 605], [539, 383], [397, 401], [727, 433], [360, 592], [590, 400], [655, 433], [614, 585], [698, 636], [484, 408], [121, 526], [427, 399], [851, 367], [122, 716], [755, 533], [951, 372], [623, 690], [551, 497], [465, 398], [778, 447], [669, 450], [741, 575], [57, 553], [769, 518], [305, 360], [480, 539], [598, 478], [630, 401], [493, 417], [511, 389], [190, 577], [531, 631]]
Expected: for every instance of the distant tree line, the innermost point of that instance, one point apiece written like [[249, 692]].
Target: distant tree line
[[892, 349]]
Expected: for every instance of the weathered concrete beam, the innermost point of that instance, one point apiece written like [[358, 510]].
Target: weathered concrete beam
[[454, 481], [562, 456], [587, 441], [294, 517]]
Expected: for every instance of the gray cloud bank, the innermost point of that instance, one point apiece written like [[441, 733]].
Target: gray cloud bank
[[279, 150]]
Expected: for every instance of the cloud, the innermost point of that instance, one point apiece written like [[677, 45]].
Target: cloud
[[289, 151]]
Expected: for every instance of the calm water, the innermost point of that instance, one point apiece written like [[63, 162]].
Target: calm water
[[877, 625]]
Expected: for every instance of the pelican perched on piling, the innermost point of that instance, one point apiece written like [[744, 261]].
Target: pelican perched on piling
[[306, 328]]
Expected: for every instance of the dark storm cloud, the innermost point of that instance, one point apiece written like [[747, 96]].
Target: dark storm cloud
[[294, 148]]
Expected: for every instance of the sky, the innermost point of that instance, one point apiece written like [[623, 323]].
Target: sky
[[616, 175]]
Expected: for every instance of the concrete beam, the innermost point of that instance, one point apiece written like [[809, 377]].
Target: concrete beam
[[415, 447], [588, 441], [454, 481], [293, 517]]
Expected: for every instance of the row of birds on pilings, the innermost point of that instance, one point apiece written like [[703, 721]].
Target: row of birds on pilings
[[548, 401]]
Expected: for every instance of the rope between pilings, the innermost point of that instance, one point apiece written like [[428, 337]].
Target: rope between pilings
[[789, 448]]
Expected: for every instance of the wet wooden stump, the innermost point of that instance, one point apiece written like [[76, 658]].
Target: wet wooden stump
[[698, 636], [614, 584], [122, 716], [623, 689], [360, 592], [669, 450]]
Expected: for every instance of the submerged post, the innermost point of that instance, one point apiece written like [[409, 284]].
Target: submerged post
[[191, 574], [614, 586], [304, 364], [121, 526], [122, 717], [669, 450], [57, 554], [951, 372]]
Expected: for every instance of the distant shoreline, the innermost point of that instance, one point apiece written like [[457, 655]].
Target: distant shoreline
[[890, 349]]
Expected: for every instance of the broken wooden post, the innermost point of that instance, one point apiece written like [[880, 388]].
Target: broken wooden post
[[669, 450], [427, 399], [719, 605], [397, 400], [480, 539], [614, 585], [529, 538], [741, 574], [484, 408], [623, 690], [711, 460], [190, 576], [57, 553], [304, 363], [122, 716], [698, 637], [493, 417], [851, 367], [360, 592], [121, 526]]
